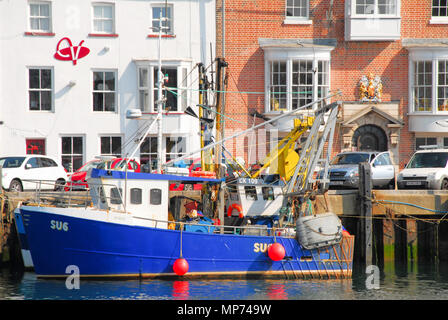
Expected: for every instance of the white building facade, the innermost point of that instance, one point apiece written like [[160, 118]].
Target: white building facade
[[71, 70]]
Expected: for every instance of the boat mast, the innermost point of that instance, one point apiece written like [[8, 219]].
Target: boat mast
[[220, 95], [221, 64], [159, 98], [201, 112]]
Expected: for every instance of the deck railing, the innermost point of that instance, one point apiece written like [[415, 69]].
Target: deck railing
[[64, 196]]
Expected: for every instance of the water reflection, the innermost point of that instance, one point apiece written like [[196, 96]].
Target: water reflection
[[277, 292], [180, 290], [398, 282]]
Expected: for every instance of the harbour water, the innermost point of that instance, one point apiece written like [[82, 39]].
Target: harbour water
[[395, 283]]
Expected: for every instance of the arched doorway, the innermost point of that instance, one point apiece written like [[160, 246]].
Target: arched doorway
[[369, 138]]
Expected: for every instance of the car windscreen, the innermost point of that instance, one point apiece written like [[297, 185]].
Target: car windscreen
[[428, 160], [11, 162], [104, 165], [350, 158], [89, 165]]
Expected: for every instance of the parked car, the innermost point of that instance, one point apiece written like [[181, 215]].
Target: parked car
[[21, 173], [427, 169], [77, 180], [343, 170]]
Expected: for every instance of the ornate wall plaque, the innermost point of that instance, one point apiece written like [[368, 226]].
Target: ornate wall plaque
[[370, 88]]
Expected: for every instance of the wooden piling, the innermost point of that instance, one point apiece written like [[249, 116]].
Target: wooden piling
[[426, 244], [400, 246], [366, 229], [378, 240], [443, 241]]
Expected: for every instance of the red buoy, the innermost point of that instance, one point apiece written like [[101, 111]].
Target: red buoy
[[180, 266], [276, 251]]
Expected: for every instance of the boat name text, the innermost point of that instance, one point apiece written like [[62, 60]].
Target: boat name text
[[250, 181], [261, 247], [59, 225]]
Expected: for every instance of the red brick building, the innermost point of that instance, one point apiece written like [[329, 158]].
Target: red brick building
[[283, 54]]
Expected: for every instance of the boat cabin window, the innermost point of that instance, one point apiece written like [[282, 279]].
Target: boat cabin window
[[233, 192], [251, 192], [136, 196], [102, 194], [115, 195], [268, 193], [155, 196]]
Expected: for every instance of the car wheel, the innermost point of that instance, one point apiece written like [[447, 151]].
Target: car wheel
[[15, 186], [59, 186], [444, 185]]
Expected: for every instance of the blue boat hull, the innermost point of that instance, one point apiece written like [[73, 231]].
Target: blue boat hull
[[104, 249]]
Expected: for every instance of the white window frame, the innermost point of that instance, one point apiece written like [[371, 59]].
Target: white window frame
[[438, 19], [49, 17], [102, 19], [375, 13], [110, 136], [170, 19], [73, 154], [297, 19], [150, 86], [152, 154], [104, 92], [51, 90], [433, 55], [290, 55], [426, 142], [423, 72], [176, 153]]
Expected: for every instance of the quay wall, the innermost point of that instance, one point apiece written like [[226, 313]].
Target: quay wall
[[409, 226]]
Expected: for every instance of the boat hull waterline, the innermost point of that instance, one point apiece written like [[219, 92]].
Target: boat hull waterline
[[102, 249]]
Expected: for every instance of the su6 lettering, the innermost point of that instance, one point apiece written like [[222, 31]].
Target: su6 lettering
[[59, 225], [261, 247]]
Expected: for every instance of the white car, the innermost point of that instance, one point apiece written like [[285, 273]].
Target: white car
[[427, 169], [24, 173]]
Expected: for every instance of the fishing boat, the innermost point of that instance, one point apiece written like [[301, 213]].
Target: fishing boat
[[145, 240], [136, 227], [235, 226]]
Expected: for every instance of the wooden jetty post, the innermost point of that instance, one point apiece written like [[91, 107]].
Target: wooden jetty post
[[365, 195], [378, 240], [426, 243], [443, 241], [400, 246]]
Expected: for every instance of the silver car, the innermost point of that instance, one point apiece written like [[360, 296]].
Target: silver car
[[343, 171]]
